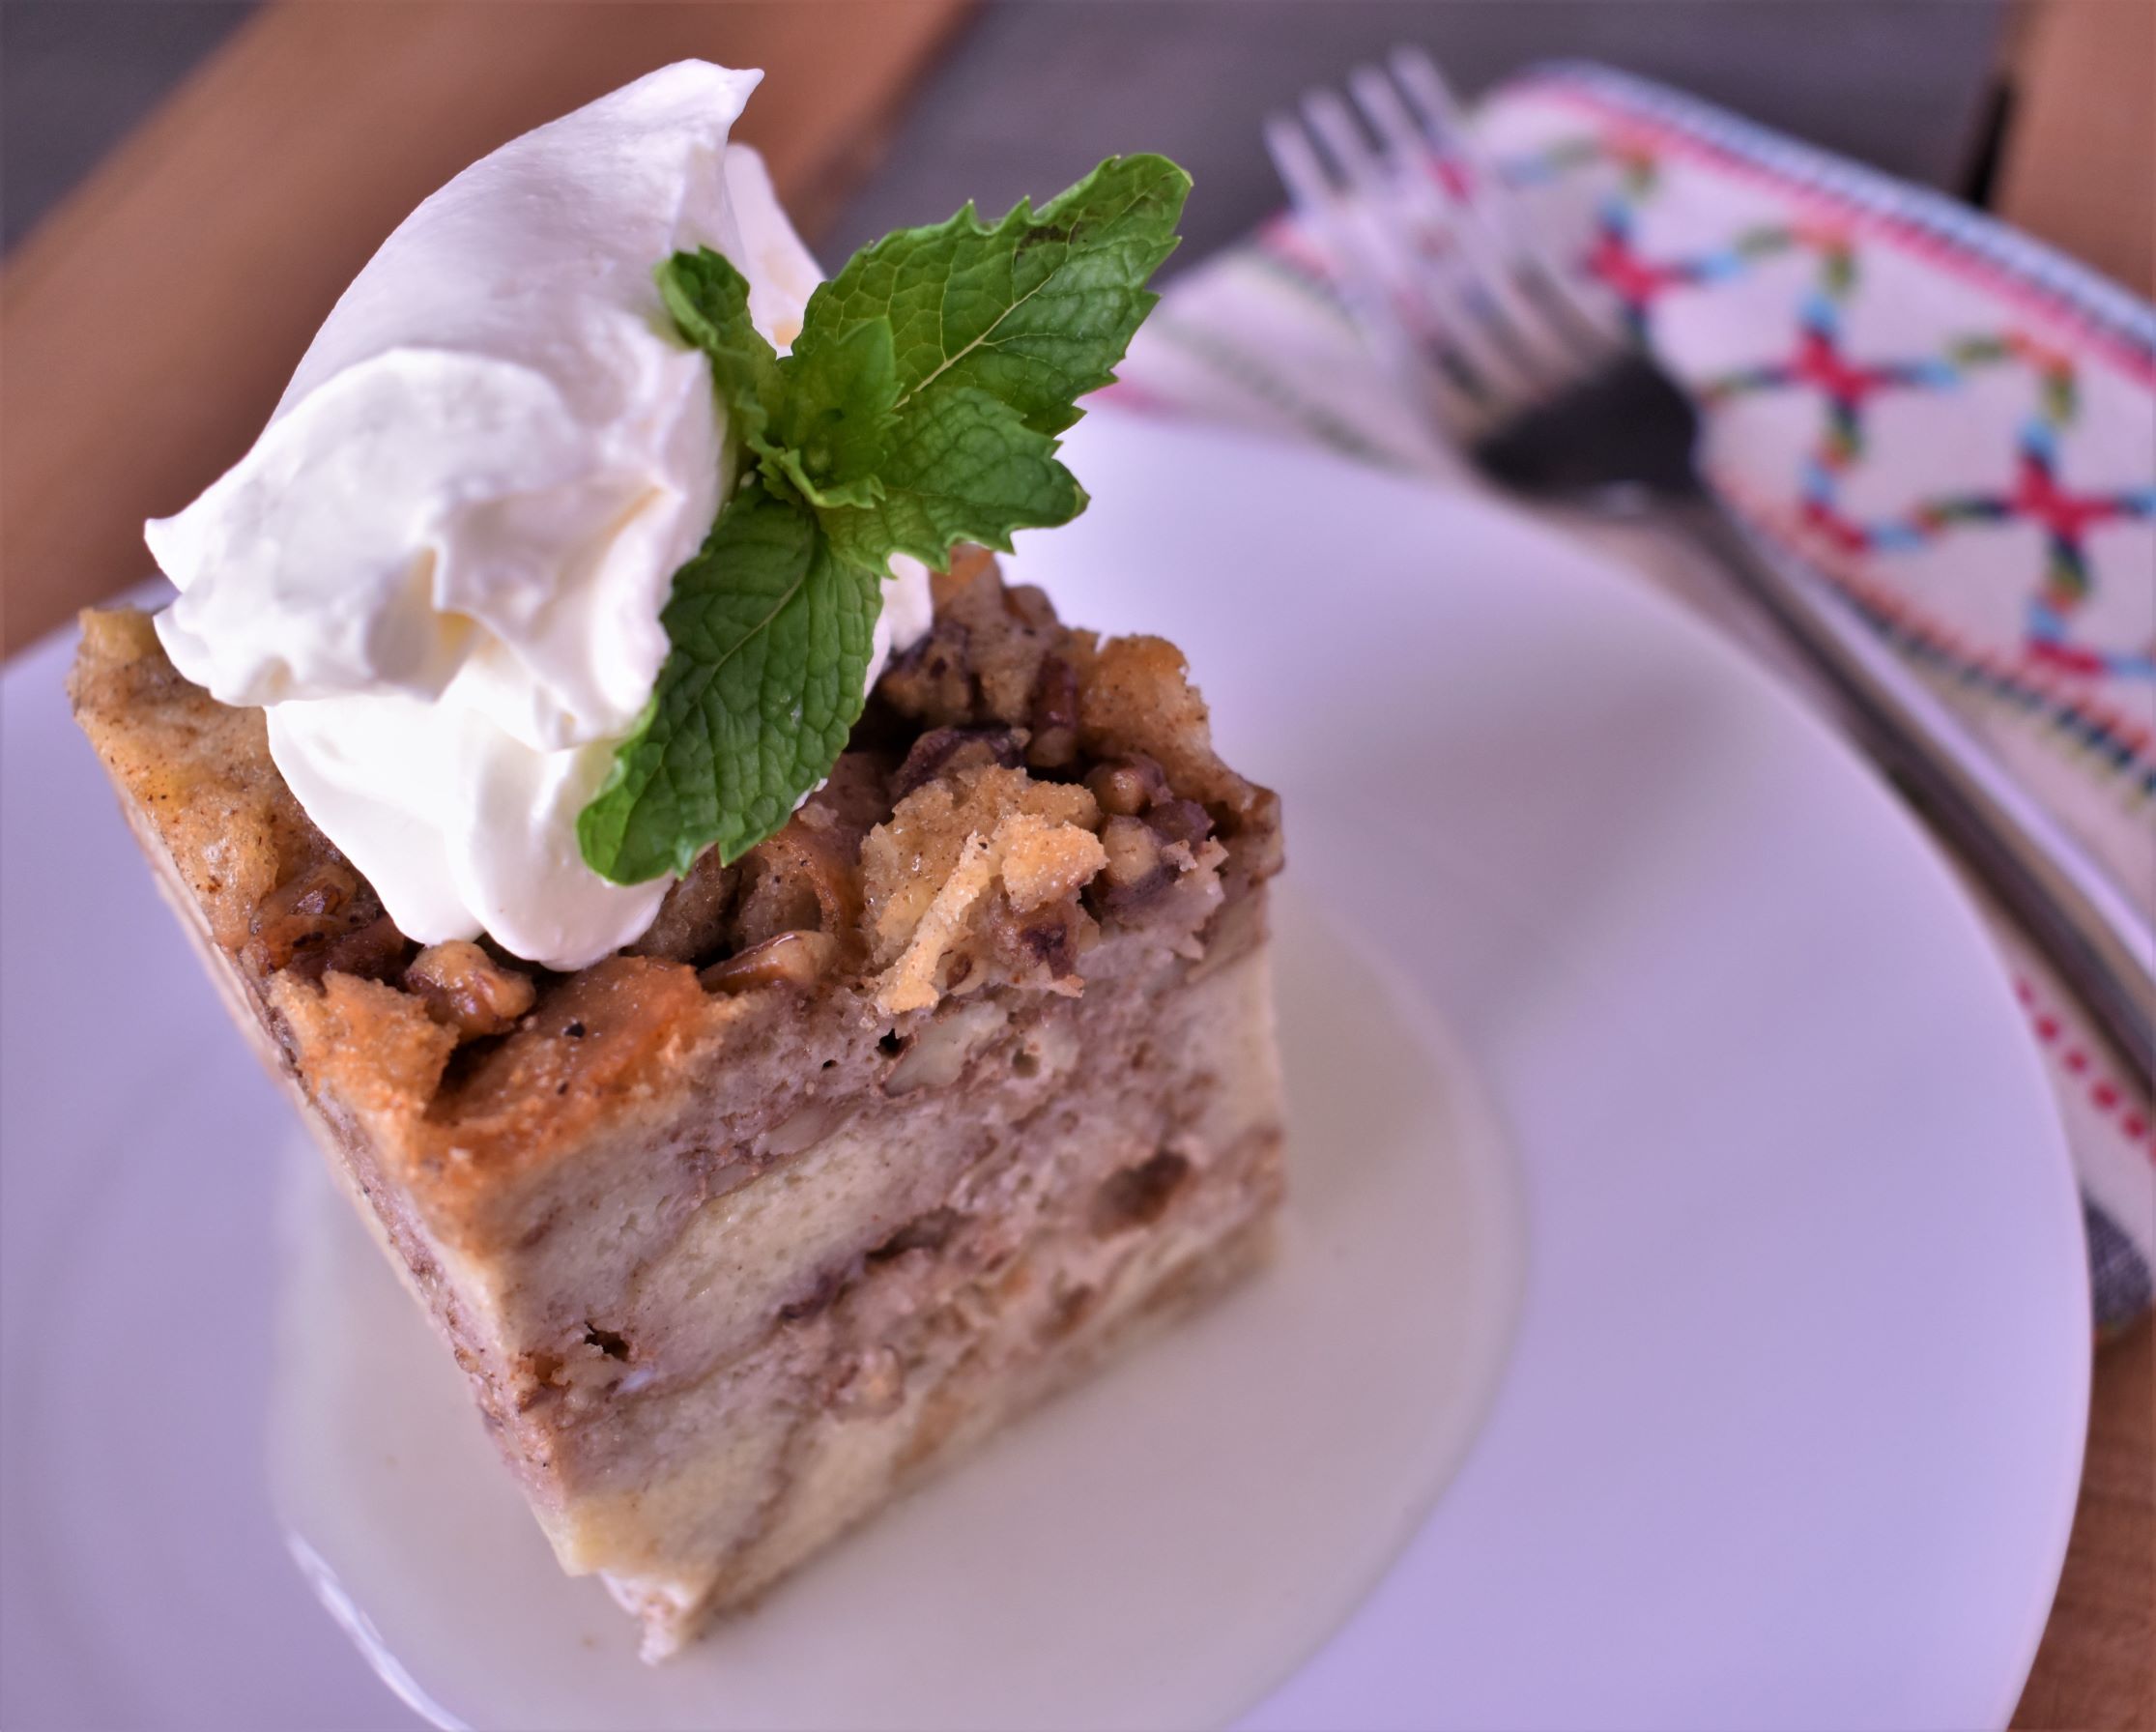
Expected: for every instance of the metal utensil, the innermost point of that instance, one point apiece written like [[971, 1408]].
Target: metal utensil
[[1540, 384]]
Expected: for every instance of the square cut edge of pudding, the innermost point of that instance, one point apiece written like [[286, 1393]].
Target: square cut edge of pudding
[[909, 1118]]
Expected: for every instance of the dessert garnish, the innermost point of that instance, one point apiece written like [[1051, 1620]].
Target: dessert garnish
[[552, 569], [917, 412]]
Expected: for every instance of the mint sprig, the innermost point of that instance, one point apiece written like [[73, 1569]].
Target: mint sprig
[[918, 410], [770, 636]]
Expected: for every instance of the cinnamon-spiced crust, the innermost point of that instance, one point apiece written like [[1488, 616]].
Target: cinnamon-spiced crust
[[1082, 772]]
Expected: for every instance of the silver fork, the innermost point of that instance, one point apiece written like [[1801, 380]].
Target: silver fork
[[1536, 380]]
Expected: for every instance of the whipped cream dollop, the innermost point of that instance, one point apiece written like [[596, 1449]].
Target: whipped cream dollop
[[440, 567]]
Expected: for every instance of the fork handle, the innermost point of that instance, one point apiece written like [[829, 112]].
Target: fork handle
[[2099, 941]]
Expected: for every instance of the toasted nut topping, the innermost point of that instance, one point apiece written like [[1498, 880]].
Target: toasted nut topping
[[1179, 821], [944, 750], [467, 990], [1133, 851], [1126, 785], [319, 903], [807, 877], [1054, 716], [375, 950], [795, 959], [996, 873]]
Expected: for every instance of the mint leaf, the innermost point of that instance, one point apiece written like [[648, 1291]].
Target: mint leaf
[[770, 637], [818, 423], [1035, 309], [710, 300], [961, 467], [918, 410], [835, 422]]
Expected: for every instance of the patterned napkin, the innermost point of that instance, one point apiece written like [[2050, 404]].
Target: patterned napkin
[[1955, 425]]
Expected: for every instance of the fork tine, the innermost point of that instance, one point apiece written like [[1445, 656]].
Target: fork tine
[[1588, 326], [1430, 284], [1297, 164], [1522, 330], [1366, 277], [1515, 249]]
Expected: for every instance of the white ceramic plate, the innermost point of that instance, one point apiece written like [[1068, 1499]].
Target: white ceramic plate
[[1791, 1425]]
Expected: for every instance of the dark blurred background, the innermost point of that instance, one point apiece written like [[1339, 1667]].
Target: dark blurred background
[[1031, 93], [186, 185]]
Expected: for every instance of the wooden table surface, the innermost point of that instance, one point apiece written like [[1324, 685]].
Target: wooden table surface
[[150, 323], [2097, 1665]]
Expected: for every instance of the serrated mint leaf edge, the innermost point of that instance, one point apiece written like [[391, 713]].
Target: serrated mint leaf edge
[[737, 810], [1163, 183], [745, 368]]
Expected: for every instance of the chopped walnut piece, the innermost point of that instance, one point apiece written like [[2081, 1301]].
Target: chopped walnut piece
[[467, 990], [1054, 716], [945, 1046], [1133, 867], [1138, 1195], [1126, 785], [116, 638], [795, 959], [931, 1232], [807, 877], [941, 751], [325, 918], [1162, 869], [1255, 848], [304, 912], [980, 662], [1194, 897], [1009, 652], [1136, 696], [1179, 821], [1039, 946], [375, 951], [932, 682], [594, 1036]]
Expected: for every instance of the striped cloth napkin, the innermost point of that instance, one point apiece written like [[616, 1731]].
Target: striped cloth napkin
[[1955, 425]]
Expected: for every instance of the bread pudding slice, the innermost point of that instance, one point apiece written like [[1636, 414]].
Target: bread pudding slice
[[876, 1136]]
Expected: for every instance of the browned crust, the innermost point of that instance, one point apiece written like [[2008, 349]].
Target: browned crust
[[1000, 713]]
